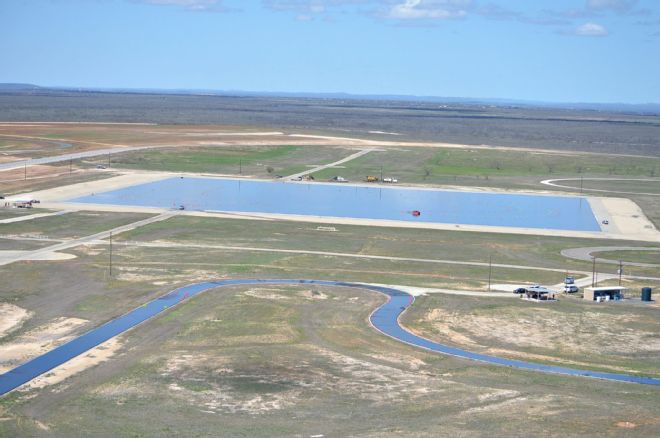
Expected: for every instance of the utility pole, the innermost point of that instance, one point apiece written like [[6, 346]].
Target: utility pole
[[25, 173], [110, 254], [581, 182], [490, 269], [620, 271], [70, 166], [240, 167], [108, 160], [593, 272], [381, 173]]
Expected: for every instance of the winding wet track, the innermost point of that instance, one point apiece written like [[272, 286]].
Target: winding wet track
[[385, 319]]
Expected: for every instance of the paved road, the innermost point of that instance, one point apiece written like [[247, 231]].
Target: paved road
[[585, 254], [384, 319], [33, 216], [9, 257], [66, 157]]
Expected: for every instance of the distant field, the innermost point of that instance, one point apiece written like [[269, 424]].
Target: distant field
[[401, 242], [45, 178], [9, 213], [487, 167], [547, 128], [71, 225], [261, 161]]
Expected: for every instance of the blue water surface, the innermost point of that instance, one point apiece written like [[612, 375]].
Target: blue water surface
[[350, 201]]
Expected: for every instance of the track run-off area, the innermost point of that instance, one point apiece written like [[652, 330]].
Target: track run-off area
[[385, 319]]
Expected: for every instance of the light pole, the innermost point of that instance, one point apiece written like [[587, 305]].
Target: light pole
[[490, 269], [593, 272], [110, 254], [620, 271]]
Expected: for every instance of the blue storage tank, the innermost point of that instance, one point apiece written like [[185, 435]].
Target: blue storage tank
[[646, 294]]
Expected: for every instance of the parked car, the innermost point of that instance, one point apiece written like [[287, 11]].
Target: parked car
[[570, 288], [606, 222], [569, 280], [520, 290]]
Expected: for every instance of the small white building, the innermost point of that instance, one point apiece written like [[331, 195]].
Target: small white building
[[604, 293]]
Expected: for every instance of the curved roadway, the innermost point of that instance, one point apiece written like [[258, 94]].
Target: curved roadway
[[585, 254], [552, 182], [384, 319]]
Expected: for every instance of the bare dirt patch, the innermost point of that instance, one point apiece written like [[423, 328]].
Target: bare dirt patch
[[266, 293], [587, 332], [38, 341], [98, 354], [11, 318]]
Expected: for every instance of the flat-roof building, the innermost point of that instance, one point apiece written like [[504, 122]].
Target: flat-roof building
[[604, 293]]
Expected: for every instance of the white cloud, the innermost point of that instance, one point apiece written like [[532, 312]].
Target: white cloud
[[591, 30], [429, 9], [309, 6], [195, 5], [612, 5]]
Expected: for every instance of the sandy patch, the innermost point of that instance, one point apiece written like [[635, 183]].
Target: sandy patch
[[11, 318], [38, 341], [586, 332], [44, 256], [401, 360], [313, 295], [95, 356], [624, 216], [266, 293], [626, 425]]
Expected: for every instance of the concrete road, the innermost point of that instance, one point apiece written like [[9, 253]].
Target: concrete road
[[66, 157], [585, 254], [326, 166]]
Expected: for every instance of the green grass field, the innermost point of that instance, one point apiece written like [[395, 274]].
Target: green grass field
[[259, 161], [71, 225], [381, 241], [445, 165], [631, 256]]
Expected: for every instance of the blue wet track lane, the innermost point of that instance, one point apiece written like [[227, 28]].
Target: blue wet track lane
[[384, 319]]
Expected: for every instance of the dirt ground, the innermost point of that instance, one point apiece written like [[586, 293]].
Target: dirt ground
[[619, 338], [275, 361]]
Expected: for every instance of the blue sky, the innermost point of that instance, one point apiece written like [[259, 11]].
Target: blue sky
[[559, 50]]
